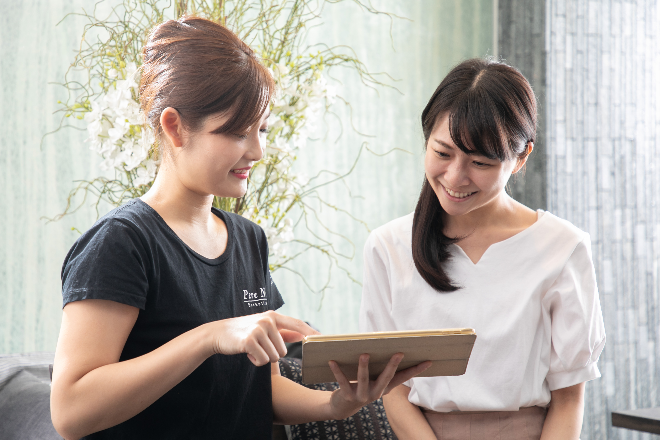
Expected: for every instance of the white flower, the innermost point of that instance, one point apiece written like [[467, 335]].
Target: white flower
[[283, 166], [94, 128], [300, 140], [250, 213], [112, 160], [112, 73], [129, 80], [258, 173], [281, 70], [280, 145], [135, 154], [116, 133], [331, 93], [146, 174], [96, 113], [133, 113], [282, 186], [108, 147], [147, 139], [278, 237]]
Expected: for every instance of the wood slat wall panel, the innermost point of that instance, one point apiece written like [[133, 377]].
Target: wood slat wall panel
[[603, 161]]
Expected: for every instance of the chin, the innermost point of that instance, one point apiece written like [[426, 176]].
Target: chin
[[233, 191], [454, 212], [456, 209], [230, 195]]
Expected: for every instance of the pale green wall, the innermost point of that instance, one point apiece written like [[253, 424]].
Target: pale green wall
[[34, 181], [436, 36]]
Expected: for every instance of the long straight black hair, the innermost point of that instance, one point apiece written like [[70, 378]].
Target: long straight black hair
[[492, 112]]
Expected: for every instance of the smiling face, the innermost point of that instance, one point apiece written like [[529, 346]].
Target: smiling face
[[464, 183], [218, 163]]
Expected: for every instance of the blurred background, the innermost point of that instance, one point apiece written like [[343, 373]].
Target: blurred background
[[594, 65]]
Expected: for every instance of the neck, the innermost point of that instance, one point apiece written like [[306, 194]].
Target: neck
[[497, 212], [174, 201]]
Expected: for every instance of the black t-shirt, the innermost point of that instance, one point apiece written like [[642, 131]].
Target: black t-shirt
[[131, 256]]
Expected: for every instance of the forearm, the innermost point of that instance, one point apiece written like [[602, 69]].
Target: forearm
[[564, 419], [406, 419], [294, 404], [113, 393]]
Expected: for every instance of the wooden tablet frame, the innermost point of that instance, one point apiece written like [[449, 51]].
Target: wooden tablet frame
[[448, 349]]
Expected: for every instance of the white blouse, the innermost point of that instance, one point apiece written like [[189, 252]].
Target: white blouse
[[532, 300]]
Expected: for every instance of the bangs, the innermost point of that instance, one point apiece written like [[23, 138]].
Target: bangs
[[250, 98], [491, 110], [477, 128], [202, 69]]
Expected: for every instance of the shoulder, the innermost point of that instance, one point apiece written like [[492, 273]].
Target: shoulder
[[557, 229], [134, 218], [560, 228], [394, 236], [400, 228], [134, 214], [241, 225], [125, 227], [558, 240]]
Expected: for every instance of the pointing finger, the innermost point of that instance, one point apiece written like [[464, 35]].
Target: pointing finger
[[284, 322], [291, 336]]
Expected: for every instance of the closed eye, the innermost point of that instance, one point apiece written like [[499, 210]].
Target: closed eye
[[441, 154], [481, 164]]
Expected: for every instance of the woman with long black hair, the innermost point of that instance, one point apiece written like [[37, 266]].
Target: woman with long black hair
[[472, 256]]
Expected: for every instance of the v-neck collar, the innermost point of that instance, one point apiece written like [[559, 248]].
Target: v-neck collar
[[512, 239]]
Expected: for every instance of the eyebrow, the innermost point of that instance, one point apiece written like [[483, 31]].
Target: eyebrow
[[444, 144], [451, 147]]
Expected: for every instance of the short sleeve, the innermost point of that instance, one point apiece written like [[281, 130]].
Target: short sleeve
[[110, 262], [577, 329], [276, 298], [376, 305]]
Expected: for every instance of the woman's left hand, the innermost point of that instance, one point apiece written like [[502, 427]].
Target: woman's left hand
[[351, 396]]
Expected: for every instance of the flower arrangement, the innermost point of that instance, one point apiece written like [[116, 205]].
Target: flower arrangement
[[106, 100]]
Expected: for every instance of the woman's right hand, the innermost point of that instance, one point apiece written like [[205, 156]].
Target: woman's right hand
[[92, 390], [261, 336]]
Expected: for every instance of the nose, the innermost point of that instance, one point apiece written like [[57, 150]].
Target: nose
[[256, 147], [456, 174]]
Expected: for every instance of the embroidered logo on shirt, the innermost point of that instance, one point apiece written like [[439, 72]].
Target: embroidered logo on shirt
[[255, 299]]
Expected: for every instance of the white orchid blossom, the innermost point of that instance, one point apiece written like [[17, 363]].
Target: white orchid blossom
[[117, 130]]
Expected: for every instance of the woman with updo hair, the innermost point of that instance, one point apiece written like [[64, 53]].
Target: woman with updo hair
[[470, 256], [168, 327]]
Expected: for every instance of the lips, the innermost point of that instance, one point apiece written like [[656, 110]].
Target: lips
[[457, 194], [241, 170], [241, 173]]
